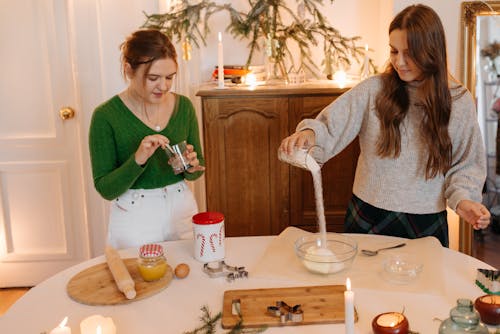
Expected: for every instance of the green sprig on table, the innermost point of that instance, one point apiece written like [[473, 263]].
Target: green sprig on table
[[209, 324]]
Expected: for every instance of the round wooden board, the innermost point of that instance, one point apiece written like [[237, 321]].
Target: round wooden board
[[96, 286]]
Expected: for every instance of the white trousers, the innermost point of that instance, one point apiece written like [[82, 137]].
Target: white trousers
[[142, 216]]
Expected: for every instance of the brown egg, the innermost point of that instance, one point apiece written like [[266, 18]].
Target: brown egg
[[182, 270]]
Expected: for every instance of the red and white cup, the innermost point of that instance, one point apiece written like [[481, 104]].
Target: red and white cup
[[208, 230]]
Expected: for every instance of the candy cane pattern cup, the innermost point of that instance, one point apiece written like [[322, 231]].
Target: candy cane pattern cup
[[208, 233]]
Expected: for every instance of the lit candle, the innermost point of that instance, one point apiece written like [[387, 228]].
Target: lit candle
[[488, 307], [349, 308], [340, 78], [220, 62], [97, 324], [62, 328], [390, 323]]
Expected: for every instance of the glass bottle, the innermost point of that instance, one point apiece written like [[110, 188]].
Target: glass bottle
[[152, 263], [463, 319]]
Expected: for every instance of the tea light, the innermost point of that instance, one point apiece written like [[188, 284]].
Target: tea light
[[349, 308], [488, 307], [61, 328], [390, 323], [97, 324]]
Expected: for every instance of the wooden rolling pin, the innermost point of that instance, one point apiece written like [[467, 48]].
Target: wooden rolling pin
[[122, 277]]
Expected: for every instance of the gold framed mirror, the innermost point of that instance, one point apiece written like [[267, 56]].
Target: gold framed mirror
[[472, 12]]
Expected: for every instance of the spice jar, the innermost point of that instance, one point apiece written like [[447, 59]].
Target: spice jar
[[463, 319], [152, 262]]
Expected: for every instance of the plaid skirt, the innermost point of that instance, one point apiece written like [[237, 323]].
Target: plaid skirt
[[362, 217]]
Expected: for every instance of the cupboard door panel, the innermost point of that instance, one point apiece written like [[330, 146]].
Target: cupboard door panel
[[244, 177]]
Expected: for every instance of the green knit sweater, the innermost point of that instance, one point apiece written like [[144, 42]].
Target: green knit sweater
[[114, 136]]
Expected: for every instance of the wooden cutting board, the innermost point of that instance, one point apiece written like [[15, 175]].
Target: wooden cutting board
[[320, 304], [96, 286]]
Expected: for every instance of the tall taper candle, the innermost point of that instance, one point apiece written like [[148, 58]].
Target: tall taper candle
[[349, 308], [365, 70], [220, 62]]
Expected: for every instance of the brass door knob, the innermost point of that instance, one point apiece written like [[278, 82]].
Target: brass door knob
[[66, 113]]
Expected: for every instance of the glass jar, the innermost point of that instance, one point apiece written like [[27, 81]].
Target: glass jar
[[463, 319], [152, 263]]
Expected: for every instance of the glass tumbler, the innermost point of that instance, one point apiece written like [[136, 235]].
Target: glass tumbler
[[177, 157]]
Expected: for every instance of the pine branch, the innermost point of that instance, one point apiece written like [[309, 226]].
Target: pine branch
[[263, 23], [209, 324]]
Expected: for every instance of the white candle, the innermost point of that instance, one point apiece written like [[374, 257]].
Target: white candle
[[220, 62], [62, 328], [365, 70], [97, 324], [349, 308]]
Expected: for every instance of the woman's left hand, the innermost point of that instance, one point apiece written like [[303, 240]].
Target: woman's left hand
[[192, 159], [474, 213]]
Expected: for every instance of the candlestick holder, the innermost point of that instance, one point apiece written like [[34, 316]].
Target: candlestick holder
[[488, 307], [390, 323]]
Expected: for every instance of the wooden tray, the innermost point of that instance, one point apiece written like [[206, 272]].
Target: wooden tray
[[320, 304], [96, 286]]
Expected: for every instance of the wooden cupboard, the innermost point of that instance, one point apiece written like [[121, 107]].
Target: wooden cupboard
[[257, 193]]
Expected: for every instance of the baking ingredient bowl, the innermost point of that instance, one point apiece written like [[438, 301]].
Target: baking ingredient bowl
[[326, 255], [401, 268]]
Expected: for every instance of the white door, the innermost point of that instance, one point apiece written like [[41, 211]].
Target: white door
[[43, 226]]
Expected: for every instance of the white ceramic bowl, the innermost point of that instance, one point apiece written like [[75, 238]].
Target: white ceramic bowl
[[335, 256], [401, 268]]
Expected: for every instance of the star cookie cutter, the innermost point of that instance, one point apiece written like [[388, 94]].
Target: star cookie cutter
[[285, 312]]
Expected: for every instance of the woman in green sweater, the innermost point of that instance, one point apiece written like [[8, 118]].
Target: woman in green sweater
[[421, 148], [128, 137]]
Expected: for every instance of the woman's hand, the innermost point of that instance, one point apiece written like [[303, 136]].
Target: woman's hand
[[148, 146], [301, 139], [474, 213], [192, 159]]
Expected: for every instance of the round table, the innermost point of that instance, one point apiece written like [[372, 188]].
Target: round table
[[176, 309]]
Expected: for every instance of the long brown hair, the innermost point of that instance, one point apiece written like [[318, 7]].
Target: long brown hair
[[145, 46], [427, 48]]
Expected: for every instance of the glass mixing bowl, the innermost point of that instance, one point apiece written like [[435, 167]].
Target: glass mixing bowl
[[335, 255]]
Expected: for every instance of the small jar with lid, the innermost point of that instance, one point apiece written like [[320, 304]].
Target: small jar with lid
[[152, 262], [463, 319]]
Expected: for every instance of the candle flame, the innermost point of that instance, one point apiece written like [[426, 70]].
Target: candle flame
[[366, 47], [340, 77], [251, 79], [348, 284], [98, 330], [220, 36]]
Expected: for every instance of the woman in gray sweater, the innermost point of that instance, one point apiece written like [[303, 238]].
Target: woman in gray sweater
[[421, 147]]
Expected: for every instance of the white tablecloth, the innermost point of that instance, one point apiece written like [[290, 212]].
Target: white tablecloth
[[177, 308]]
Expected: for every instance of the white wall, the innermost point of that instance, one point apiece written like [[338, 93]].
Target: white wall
[[101, 25]]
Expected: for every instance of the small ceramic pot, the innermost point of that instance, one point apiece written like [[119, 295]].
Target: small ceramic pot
[[390, 323], [488, 307]]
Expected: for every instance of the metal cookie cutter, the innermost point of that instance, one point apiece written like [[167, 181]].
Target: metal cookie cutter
[[222, 269], [286, 312]]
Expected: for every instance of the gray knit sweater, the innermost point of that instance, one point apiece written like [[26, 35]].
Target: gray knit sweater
[[399, 184]]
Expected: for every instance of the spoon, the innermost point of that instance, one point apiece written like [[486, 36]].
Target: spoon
[[375, 252]]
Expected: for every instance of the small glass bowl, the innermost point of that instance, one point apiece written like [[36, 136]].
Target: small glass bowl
[[401, 268], [335, 256]]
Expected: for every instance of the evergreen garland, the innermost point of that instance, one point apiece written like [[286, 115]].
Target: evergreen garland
[[264, 22]]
